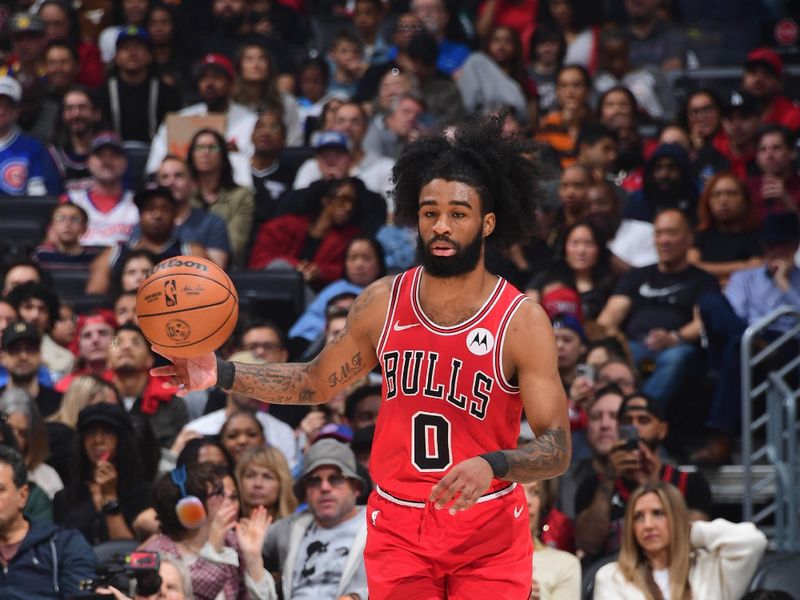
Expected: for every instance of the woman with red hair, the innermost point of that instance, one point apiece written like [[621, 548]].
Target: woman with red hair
[[90, 345], [726, 240]]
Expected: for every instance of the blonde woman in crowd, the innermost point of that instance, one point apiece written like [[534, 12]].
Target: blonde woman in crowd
[[664, 557], [265, 480]]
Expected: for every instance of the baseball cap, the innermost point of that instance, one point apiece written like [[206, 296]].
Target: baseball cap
[[10, 87], [568, 321], [20, 330], [765, 56], [330, 139], [642, 402], [336, 431], [780, 228], [26, 23], [103, 412], [152, 190], [328, 452], [106, 138], [742, 102], [132, 32], [220, 62], [563, 301]]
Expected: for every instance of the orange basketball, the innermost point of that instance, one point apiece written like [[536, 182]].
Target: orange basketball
[[187, 307]]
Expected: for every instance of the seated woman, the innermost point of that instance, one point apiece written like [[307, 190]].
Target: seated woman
[[61, 426], [265, 480], [22, 414], [223, 556], [727, 234], [313, 243], [556, 572], [107, 489], [663, 556], [585, 265], [363, 264], [39, 505], [240, 432]]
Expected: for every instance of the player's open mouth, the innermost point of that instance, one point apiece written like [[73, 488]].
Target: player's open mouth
[[442, 250]]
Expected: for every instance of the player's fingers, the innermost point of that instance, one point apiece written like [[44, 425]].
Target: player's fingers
[[464, 501], [447, 491], [165, 371]]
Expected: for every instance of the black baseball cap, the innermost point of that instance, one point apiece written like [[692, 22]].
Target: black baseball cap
[[20, 330], [104, 412], [651, 405], [742, 102], [780, 228]]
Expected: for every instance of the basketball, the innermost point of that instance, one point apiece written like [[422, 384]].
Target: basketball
[[187, 307]]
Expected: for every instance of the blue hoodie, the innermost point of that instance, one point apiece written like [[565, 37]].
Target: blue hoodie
[[50, 563]]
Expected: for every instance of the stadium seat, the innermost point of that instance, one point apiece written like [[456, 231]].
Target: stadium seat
[[32, 208], [137, 153], [591, 571], [21, 235], [70, 284], [295, 156], [778, 572], [275, 295], [86, 302]]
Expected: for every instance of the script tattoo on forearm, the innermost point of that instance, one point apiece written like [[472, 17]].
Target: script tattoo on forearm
[[347, 371], [544, 457], [276, 383]]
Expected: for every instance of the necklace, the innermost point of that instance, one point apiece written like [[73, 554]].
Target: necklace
[[191, 549]]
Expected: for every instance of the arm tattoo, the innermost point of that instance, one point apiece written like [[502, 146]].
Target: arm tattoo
[[277, 383], [545, 457], [346, 372]]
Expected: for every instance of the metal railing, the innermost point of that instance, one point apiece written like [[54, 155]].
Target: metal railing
[[772, 437]]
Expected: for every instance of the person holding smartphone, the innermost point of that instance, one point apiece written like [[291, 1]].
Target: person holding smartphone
[[636, 458]]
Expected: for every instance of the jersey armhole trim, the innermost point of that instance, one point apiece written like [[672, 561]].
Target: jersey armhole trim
[[501, 336], [390, 310]]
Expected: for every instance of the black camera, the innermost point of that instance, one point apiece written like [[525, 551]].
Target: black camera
[[120, 570]]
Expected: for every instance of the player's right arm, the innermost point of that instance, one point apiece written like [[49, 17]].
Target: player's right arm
[[348, 357]]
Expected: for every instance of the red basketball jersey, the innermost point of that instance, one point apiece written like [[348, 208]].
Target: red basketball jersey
[[445, 397]]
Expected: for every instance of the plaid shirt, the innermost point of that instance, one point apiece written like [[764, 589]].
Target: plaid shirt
[[209, 578]]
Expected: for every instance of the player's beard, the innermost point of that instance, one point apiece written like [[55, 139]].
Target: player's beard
[[464, 261]]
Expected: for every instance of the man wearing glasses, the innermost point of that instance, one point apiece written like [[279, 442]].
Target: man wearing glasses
[[320, 552]]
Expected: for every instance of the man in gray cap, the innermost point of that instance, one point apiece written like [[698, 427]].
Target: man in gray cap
[[320, 552]]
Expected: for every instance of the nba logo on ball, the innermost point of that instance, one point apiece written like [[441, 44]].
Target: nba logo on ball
[[176, 319], [480, 341]]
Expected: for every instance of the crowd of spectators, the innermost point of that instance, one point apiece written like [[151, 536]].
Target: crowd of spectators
[[668, 220]]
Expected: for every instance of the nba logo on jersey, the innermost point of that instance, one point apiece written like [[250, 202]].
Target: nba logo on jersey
[[480, 341]]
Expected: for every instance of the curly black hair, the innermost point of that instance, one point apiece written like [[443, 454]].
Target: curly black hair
[[477, 155]]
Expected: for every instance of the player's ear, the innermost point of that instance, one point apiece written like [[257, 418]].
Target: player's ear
[[489, 222]]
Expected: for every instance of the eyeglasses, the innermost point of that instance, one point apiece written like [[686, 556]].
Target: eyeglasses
[[701, 110], [207, 148], [315, 482], [76, 220]]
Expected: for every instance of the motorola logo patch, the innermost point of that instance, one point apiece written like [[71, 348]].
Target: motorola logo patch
[[480, 341]]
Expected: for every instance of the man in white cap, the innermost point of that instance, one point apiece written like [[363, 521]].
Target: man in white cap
[[26, 168]]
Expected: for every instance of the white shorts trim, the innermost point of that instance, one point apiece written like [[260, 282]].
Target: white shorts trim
[[412, 504]]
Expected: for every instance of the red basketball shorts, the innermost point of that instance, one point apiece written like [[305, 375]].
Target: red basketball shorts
[[415, 552]]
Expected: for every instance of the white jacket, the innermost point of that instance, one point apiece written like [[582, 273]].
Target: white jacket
[[725, 555]]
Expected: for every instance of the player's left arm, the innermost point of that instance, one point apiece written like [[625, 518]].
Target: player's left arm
[[531, 347], [530, 350]]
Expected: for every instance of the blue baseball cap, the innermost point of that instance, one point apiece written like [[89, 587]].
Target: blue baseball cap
[[132, 32], [568, 321], [330, 139]]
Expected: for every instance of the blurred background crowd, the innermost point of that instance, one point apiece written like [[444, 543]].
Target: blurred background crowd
[[261, 134]]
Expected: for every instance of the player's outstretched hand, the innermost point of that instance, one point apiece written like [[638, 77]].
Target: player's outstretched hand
[[189, 374], [465, 482]]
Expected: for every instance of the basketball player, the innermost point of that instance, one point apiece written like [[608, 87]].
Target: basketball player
[[462, 354]]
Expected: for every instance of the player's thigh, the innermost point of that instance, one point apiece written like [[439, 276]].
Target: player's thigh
[[398, 564]]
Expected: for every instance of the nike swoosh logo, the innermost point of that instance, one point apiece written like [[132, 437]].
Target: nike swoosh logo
[[649, 292], [374, 516], [398, 327], [517, 512]]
